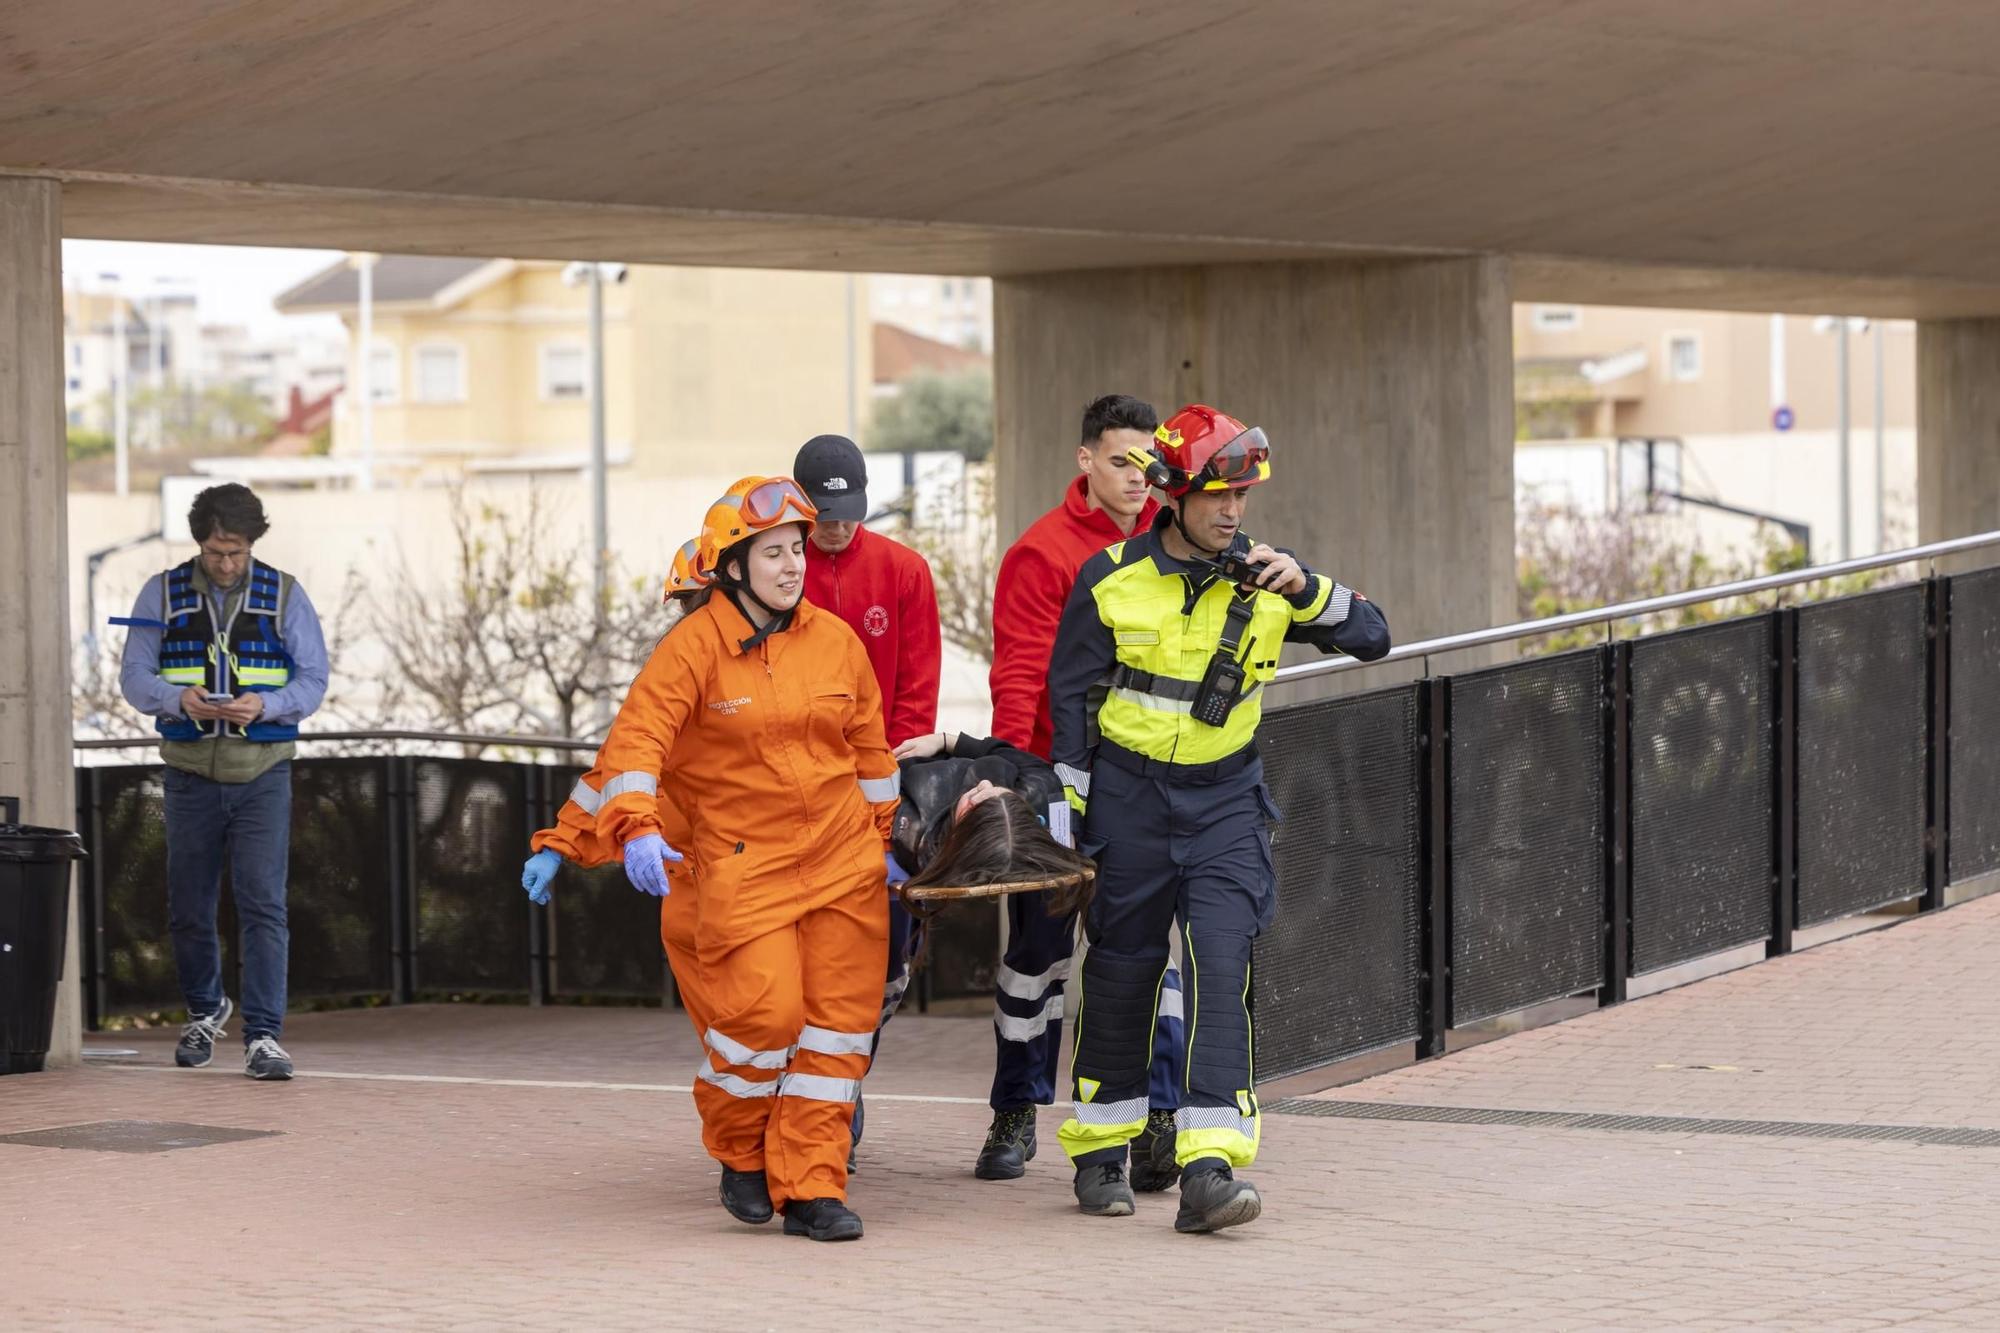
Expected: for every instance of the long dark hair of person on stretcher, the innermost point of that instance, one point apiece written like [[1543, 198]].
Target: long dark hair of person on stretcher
[[1001, 841]]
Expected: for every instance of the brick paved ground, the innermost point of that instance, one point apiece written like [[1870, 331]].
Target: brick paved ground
[[393, 1203]]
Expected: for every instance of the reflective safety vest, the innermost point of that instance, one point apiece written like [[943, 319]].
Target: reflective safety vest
[[244, 655], [1165, 632]]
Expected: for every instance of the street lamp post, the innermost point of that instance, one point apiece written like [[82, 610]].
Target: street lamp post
[[1881, 502], [1846, 453], [593, 277], [156, 347], [364, 265], [120, 370]]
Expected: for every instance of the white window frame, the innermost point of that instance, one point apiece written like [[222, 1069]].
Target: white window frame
[[381, 394], [1692, 339], [582, 395], [457, 392], [1557, 318]]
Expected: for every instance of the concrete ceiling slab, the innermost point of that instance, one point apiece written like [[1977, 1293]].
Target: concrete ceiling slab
[[1805, 144]]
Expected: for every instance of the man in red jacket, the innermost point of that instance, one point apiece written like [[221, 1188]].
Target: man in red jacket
[[1106, 504], [883, 590], [879, 586]]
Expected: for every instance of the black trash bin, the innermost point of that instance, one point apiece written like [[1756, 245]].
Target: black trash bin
[[34, 921]]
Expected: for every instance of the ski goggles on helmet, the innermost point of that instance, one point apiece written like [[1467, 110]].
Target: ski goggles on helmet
[[686, 574], [765, 503]]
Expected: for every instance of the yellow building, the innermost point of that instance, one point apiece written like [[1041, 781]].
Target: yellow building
[[483, 365]]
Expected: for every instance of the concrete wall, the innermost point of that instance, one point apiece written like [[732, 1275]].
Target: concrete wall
[[1958, 433], [34, 611], [1386, 389]]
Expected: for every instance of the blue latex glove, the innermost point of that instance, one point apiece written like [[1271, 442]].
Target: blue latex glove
[[539, 873], [897, 875], [646, 858]]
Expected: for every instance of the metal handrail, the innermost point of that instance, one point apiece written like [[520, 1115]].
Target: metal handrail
[[1528, 629], [1425, 648], [436, 737]]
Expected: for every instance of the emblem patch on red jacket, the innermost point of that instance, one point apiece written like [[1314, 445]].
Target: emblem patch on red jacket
[[876, 620]]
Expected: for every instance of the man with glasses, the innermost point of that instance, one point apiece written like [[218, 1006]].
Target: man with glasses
[[227, 656]]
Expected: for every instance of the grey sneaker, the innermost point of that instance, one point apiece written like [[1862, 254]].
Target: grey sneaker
[[264, 1058], [1214, 1199], [197, 1044], [1101, 1190]]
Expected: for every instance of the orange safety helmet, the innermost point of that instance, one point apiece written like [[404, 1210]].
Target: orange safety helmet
[[748, 508], [1201, 449], [687, 574]]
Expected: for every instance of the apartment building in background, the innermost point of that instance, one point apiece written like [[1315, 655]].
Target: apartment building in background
[[483, 365], [1745, 409]]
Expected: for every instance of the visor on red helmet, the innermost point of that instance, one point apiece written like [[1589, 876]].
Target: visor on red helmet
[[1245, 458]]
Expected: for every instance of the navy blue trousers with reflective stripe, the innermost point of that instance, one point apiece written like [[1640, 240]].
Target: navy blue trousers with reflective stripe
[[1027, 1049], [1200, 854]]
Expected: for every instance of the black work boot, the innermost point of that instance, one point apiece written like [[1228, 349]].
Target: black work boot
[[1213, 1198], [1153, 1165], [821, 1219], [1101, 1190], [747, 1196], [1010, 1145]]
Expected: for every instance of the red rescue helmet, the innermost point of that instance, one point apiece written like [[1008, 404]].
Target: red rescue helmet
[[1201, 449]]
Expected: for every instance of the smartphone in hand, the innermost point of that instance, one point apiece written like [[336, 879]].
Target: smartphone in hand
[[219, 699]]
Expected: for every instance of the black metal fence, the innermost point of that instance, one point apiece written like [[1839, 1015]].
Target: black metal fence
[[1467, 846], [1452, 849]]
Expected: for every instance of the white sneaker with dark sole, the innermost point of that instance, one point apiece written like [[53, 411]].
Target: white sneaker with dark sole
[[265, 1059]]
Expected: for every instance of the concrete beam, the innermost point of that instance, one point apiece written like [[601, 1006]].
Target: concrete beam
[[1386, 388], [105, 207], [1958, 433], [35, 754]]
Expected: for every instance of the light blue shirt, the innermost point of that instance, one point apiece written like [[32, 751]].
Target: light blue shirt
[[139, 671]]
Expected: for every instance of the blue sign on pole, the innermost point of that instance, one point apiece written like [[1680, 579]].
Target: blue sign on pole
[[1781, 418]]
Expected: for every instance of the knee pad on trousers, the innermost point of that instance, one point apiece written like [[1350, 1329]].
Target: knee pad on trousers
[[1115, 1029], [1217, 973]]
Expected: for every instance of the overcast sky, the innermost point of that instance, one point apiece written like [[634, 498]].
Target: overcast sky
[[233, 284]]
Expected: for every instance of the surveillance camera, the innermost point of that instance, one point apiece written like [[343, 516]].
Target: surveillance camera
[[615, 272]]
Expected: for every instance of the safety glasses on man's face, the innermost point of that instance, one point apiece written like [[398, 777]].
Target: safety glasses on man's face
[[1238, 459]]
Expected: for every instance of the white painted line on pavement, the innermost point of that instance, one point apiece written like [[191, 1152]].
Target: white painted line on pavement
[[526, 1083]]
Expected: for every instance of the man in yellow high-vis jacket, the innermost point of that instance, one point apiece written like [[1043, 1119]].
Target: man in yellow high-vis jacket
[[1155, 689]]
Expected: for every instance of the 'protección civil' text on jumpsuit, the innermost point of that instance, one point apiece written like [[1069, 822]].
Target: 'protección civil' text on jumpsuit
[[793, 796]]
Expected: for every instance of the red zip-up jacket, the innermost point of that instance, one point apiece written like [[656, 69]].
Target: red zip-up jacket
[[883, 590], [1035, 578]]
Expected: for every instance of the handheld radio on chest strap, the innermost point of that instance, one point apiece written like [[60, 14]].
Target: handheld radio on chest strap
[[1222, 683]]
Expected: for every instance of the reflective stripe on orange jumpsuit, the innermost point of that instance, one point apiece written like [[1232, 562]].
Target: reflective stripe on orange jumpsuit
[[793, 794]]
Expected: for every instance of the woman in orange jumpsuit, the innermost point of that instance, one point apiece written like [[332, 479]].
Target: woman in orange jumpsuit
[[772, 718]]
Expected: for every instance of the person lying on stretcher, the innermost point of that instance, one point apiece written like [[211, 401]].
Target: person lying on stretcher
[[977, 811]]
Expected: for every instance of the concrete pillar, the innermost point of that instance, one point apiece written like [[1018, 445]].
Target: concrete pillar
[[34, 538], [1386, 389], [1958, 434]]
